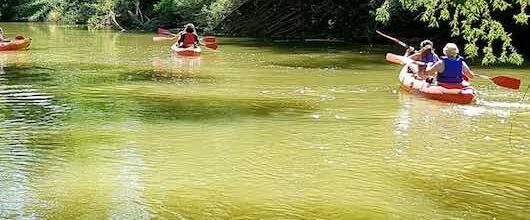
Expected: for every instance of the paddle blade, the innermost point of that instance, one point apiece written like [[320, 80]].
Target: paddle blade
[[393, 58], [164, 31], [160, 39], [507, 82], [212, 46], [209, 39]]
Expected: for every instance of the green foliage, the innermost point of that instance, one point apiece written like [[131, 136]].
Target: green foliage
[[471, 20], [217, 10], [135, 14]]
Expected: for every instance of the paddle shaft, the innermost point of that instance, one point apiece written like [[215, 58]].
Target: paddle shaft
[[393, 39]]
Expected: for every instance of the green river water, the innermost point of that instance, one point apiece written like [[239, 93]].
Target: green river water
[[108, 125]]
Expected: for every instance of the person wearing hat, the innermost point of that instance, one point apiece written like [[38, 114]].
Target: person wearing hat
[[425, 54], [451, 70]]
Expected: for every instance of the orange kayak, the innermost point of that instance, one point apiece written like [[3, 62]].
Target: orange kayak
[[189, 52], [20, 43], [419, 87]]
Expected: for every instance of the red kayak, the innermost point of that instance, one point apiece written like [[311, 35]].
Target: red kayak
[[419, 87], [20, 43], [188, 52]]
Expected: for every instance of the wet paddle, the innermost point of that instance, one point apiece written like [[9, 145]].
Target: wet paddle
[[163, 31], [210, 42], [164, 35], [502, 81], [212, 46]]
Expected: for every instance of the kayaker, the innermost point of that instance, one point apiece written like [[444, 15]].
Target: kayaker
[[188, 37], [451, 70], [3, 37], [425, 54]]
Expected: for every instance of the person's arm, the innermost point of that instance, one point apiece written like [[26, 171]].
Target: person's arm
[[467, 72], [436, 57], [433, 70], [409, 51], [415, 56]]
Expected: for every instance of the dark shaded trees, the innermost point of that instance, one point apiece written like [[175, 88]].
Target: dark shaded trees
[[300, 19]]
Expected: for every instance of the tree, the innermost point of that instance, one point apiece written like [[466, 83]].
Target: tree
[[472, 20]]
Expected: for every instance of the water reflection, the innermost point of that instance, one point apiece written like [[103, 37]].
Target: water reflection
[[26, 114], [176, 67], [103, 131]]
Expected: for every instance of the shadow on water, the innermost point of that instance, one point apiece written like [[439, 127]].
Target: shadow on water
[[101, 101], [111, 105], [76, 76], [477, 190], [317, 55], [333, 61], [26, 74], [204, 108], [165, 76]]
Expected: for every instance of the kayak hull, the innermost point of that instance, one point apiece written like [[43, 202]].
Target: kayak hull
[[187, 52], [421, 88], [20, 43]]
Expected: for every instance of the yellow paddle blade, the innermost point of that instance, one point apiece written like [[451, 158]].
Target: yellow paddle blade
[[159, 39], [393, 58]]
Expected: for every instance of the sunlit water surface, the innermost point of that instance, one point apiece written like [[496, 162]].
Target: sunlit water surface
[[106, 125]]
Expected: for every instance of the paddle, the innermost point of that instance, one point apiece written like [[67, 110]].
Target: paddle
[[163, 31], [401, 60], [503, 81], [212, 46], [164, 35], [394, 39], [159, 39], [210, 41]]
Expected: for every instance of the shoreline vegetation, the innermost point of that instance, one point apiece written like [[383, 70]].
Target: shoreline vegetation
[[492, 31]]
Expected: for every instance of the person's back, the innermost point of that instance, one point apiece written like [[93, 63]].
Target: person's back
[[189, 37], [451, 70]]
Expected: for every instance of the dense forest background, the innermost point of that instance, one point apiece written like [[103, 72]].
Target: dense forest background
[[350, 21]]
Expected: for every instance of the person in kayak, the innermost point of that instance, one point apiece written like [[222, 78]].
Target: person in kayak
[[3, 37], [426, 54], [451, 71], [188, 37]]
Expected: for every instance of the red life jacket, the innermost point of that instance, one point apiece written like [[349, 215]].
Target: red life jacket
[[188, 39]]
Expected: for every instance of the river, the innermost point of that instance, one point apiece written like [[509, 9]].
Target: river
[[110, 125]]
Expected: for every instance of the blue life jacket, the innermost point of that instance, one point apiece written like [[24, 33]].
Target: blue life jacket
[[453, 71], [430, 58]]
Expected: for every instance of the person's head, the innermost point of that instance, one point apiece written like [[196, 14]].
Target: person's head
[[425, 43], [451, 50], [426, 47], [189, 28]]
